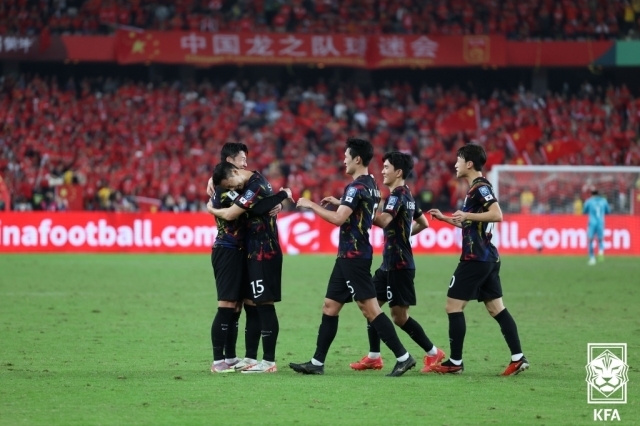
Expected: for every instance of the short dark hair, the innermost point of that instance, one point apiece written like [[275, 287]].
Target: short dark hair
[[400, 161], [222, 171], [231, 149], [360, 148], [475, 154]]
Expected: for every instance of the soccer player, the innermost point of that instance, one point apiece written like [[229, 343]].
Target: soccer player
[[351, 276], [227, 253], [478, 273], [596, 207], [394, 279], [231, 235], [263, 250]]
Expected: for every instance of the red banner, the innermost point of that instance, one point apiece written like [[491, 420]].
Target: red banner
[[246, 48], [338, 49], [300, 233], [383, 51], [392, 51]]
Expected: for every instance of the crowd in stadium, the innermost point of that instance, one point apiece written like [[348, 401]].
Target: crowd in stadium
[[524, 19], [122, 140]]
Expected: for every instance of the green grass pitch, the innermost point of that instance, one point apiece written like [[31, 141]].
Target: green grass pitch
[[124, 340]]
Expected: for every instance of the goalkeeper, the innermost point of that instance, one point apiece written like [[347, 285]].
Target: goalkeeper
[[596, 207]]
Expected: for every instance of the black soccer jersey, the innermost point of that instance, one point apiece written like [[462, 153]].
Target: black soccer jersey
[[397, 253], [231, 233], [262, 231], [476, 236], [362, 196]]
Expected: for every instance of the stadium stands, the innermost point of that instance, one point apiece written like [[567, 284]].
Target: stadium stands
[[128, 140], [522, 20]]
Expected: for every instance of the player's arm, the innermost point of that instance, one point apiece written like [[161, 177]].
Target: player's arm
[[493, 214], [210, 188], [259, 208], [271, 203], [437, 214], [336, 218], [420, 224], [585, 207], [229, 213], [382, 220]]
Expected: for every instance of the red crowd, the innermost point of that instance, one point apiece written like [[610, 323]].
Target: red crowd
[[121, 142], [523, 19]]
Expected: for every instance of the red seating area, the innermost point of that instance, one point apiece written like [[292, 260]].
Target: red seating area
[[124, 140], [525, 19]]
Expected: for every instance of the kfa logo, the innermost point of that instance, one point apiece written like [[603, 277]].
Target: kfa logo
[[607, 373], [607, 377], [605, 414]]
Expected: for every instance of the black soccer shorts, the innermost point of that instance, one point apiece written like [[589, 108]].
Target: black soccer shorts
[[351, 280], [396, 286], [264, 282], [230, 272], [476, 281]]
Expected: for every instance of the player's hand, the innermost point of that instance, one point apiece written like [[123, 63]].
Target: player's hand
[[329, 200], [459, 217], [274, 211], [289, 193], [210, 188], [210, 207], [436, 214], [304, 203]]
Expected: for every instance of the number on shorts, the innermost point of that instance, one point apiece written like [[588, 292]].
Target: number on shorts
[[353, 292], [257, 287], [453, 280], [389, 293]]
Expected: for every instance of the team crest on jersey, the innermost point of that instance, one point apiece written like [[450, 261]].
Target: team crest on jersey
[[485, 192], [247, 196], [391, 203], [350, 194]]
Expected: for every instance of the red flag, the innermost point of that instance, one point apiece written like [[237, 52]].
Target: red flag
[[560, 148], [519, 140], [465, 119], [136, 46], [493, 158], [522, 159], [74, 196]]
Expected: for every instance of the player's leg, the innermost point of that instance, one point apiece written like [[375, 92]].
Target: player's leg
[[265, 281], [402, 294], [600, 235], [337, 295], [232, 334], [364, 293], [491, 294], [590, 241], [373, 360], [228, 288], [464, 286]]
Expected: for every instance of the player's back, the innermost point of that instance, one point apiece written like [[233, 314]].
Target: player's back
[[596, 207], [231, 233], [262, 230], [362, 196]]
